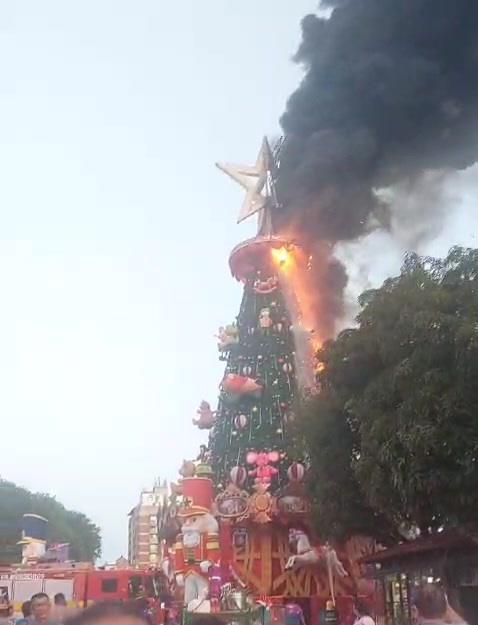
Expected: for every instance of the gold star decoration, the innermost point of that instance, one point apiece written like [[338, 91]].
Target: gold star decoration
[[254, 179]]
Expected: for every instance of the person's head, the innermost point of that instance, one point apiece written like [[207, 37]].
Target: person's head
[[109, 613], [40, 606], [361, 608], [430, 602], [26, 609], [59, 599]]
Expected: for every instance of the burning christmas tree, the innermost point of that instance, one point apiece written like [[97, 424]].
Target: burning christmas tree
[[239, 511], [258, 389], [260, 382]]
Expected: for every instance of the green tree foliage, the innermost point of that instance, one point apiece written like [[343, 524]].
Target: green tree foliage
[[64, 525], [392, 437]]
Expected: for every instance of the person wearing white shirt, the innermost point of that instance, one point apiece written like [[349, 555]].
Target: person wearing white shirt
[[362, 613]]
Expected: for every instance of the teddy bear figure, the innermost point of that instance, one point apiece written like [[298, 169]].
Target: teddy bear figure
[[205, 419], [265, 321], [188, 469]]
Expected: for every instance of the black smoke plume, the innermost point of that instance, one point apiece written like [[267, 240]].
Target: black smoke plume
[[390, 92]]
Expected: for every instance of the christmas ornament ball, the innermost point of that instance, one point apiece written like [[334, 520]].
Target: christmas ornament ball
[[240, 421], [238, 475], [295, 472]]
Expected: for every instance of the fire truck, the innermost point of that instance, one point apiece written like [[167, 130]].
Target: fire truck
[[83, 585]]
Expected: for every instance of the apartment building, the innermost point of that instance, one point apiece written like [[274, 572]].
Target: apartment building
[[143, 544]]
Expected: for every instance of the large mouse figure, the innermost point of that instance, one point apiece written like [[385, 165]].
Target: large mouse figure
[[197, 546]]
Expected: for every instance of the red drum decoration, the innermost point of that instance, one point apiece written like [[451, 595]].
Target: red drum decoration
[[240, 421], [238, 475], [295, 472]]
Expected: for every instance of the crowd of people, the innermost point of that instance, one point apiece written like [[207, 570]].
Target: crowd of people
[[39, 610], [430, 607]]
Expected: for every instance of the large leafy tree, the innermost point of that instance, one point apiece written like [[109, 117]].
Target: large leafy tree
[[64, 525], [392, 436]]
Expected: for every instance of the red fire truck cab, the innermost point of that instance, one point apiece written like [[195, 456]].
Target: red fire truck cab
[[82, 585]]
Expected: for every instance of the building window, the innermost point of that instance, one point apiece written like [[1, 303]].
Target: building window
[[109, 585]]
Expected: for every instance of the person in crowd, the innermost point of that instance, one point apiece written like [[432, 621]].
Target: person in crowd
[[6, 616], [41, 609], [60, 607], [362, 613], [431, 607], [27, 612], [109, 613]]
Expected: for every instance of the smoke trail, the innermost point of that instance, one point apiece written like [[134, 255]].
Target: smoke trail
[[389, 100]]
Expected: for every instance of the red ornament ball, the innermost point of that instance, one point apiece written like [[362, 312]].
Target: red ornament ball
[[295, 472], [240, 421], [238, 476]]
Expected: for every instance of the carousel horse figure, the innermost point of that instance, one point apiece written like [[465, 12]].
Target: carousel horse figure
[[167, 569], [309, 556]]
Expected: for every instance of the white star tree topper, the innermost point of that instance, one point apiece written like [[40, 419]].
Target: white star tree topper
[[255, 180]]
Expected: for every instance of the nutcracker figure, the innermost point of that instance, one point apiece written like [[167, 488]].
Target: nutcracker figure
[[197, 546]]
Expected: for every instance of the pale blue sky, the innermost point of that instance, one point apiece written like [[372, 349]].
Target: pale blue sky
[[115, 229]]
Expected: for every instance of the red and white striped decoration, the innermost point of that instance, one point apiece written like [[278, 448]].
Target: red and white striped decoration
[[295, 472], [240, 421], [238, 475]]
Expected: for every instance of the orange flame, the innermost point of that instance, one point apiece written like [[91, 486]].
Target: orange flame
[[282, 257], [293, 265]]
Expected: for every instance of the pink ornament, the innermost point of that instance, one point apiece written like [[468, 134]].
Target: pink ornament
[[287, 367], [295, 472], [263, 472], [238, 476], [240, 421]]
